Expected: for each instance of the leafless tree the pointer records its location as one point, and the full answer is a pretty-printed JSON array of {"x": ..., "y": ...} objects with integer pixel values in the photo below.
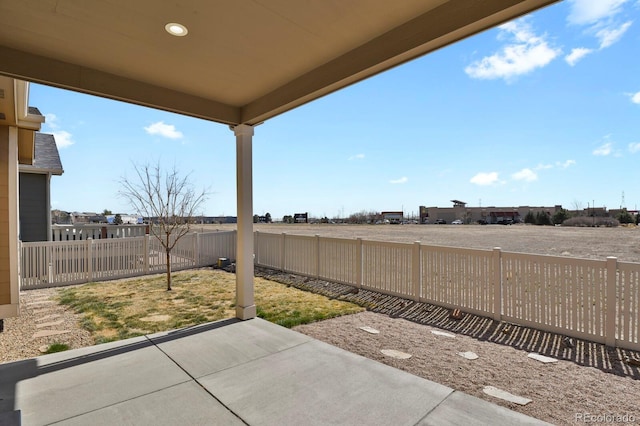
[
  {"x": 577, "y": 206},
  {"x": 168, "y": 200}
]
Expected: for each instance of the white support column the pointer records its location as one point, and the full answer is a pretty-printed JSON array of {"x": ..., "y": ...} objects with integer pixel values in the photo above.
[{"x": 245, "y": 305}]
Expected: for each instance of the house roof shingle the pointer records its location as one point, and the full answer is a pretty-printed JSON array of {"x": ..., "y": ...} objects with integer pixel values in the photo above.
[{"x": 46, "y": 158}]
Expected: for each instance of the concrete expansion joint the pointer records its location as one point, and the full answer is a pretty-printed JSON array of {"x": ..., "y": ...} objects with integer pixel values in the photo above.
[
  {"x": 422, "y": 420},
  {"x": 195, "y": 380}
]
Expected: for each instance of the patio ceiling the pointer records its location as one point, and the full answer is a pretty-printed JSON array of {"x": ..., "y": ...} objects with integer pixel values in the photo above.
[{"x": 242, "y": 61}]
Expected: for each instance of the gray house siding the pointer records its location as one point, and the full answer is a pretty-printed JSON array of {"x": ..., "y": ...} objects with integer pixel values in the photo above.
[{"x": 33, "y": 207}]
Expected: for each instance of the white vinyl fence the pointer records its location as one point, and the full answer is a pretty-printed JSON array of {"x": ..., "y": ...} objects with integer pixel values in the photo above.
[
  {"x": 58, "y": 263},
  {"x": 96, "y": 231},
  {"x": 598, "y": 300}
]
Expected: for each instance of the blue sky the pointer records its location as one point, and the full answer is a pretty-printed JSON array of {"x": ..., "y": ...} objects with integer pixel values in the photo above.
[{"x": 541, "y": 111}]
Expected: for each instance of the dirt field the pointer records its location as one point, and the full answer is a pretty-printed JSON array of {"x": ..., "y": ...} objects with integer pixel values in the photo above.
[{"x": 589, "y": 243}]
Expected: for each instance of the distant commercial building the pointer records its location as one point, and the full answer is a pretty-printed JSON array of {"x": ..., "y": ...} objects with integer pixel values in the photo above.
[
  {"x": 301, "y": 217},
  {"x": 490, "y": 214},
  {"x": 393, "y": 217},
  {"x": 202, "y": 220},
  {"x": 126, "y": 219}
]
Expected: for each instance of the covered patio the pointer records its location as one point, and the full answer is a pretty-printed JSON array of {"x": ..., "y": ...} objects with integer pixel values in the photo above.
[
  {"x": 229, "y": 372},
  {"x": 236, "y": 63}
]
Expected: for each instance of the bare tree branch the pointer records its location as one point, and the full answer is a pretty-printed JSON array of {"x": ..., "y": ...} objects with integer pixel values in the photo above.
[{"x": 167, "y": 199}]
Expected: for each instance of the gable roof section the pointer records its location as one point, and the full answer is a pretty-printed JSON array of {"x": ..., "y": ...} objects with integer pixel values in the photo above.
[
  {"x": 46, "y": 159},
  {"x": 34, "y": 111}
]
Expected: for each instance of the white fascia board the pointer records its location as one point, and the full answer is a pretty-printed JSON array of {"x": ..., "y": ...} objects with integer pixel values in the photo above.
[
  {"x": 26, "y": 168},
  {"x": 23, "y": 118}
]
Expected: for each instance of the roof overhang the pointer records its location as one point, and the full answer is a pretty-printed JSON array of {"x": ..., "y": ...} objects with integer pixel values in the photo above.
[
  {"x": 242, "y": 61},
  {"x": 39, "y": 171},
  {"x": 26, "y": 146},
  {"x": 14, "y": 111}
]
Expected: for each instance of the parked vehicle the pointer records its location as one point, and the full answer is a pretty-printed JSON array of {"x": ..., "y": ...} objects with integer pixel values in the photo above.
[
  {"x": 440, "y": 222},
  {"x": 457, "y": 222}
]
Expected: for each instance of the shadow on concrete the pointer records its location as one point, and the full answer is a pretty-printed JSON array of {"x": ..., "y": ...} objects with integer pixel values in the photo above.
[{"x": 12, "y": 373}]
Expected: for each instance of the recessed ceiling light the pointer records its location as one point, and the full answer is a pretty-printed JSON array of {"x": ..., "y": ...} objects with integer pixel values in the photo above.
[{"x": 176, "y": 29}]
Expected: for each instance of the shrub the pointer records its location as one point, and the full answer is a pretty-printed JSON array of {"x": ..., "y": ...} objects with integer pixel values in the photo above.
[
  {"x": 542, "y": 218},
  {"x": 591, "y": 221},
  {"x": 625, "y": 217},
  {"x": 560, "y": 216},
  {"x": 530, "y": 218}
]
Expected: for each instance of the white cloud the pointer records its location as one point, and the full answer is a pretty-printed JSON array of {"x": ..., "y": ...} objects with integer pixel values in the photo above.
[
  {"x": 165, "y": 130},
  {"x": 51, "y": 120},
  {"x": 603, "y": 150},
  {"x": 526, "y": 175},
  {"x": 566, "y": 164},
  {"x": 63, "y": 138},
  {"x": 485, "y": 179},
  {"x": 634, "y": 147},
  {"x": 544, "y": 166},
  {"x": 635, "y": 97},
  {"x": 577, "y": 54},
  {"x": 403, "y": 179},
  {"x": 587, "y": 12},
  {"x": 599, "y": 16},
  {"x": 356, "y": 157},
  {"x": 526, "y": 52},
  {"x": 558, "y": 164},
  {"x": 610, "y": 35}
]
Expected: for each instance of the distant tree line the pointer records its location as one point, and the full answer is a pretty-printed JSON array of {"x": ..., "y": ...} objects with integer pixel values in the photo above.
[{"x": 565, "y": 218}]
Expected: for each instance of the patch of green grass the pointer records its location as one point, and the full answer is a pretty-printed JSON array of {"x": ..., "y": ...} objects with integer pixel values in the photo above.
[
  {"x": 57, "y": 347},
  {"x": 290, "y": 319},
  {"x": 121, "y": 309}
]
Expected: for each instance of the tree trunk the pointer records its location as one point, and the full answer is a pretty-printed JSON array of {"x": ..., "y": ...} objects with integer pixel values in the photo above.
[{"x": 168, "y": 270}]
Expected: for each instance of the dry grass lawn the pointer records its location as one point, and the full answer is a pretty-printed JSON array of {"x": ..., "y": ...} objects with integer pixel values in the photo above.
[{"x": 132, "y": 307}]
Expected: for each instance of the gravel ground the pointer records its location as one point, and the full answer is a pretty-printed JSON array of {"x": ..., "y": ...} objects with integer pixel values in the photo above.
[
  {"x": 40, "y": 315},
  {"x": 559, "y": 391},
  {"x": 588, "y": 379}
]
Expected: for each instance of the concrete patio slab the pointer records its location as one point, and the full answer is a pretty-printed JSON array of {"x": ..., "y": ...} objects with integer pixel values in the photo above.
[
  {"x": 236, "y": 343},
  {"x": 229, "y": 372},
  {"x": 187, "y": 401},
  {"x": 462, "y": 409},
  {"x": 318, "y": 384},
  {"x": 58, "y": 391}
]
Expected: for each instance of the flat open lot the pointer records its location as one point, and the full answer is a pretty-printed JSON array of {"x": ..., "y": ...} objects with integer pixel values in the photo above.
[{"x": 589, "y": 243}]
